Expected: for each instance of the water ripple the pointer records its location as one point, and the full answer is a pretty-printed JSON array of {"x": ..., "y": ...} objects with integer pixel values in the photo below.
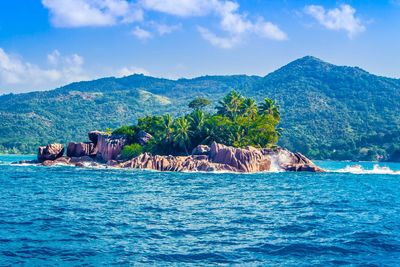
[{"x": 66, "y": 216}]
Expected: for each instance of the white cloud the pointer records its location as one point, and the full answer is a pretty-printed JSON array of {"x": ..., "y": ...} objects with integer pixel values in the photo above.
[
  {"x": 222, "y": 42},
  {"x": 54, "y": 57},
  {"x": 126, "y": 71},
  {"x": 17, "y": 73},
  {"x": 233, "y": 24},
  {"x": 74, "y": 60},
  {"x": 342, "y": 18},
  {"x": 182, "y": 8},
  {"x": 81, "y": 13},
  {"x": 163, "y": 29},
  {"x": 236, "y": 26},
  {"x": 231, "y": 21},
  {"x": 154, "y": 28},
  {"x": 269, "y": 30},
  {"x": 141, "y": 33}
]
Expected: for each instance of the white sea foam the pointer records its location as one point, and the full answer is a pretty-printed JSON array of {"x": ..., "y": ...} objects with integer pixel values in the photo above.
[
  {"x": 17, "y": 164},
  {"x": 353, "y": 169},
  {"x": 358, "y": 169},
  {"x": 20, "y": 164},
  {"x": 275, "y": 166}
]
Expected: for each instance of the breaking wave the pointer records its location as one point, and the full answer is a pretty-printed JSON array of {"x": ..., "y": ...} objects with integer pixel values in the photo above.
[{"x": 358, "y": 169}]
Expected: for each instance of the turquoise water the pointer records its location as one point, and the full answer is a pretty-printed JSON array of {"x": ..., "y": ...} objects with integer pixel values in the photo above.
[{"x": 82, "y": 217}]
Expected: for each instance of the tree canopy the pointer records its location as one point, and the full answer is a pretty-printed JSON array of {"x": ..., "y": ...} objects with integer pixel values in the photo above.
[
  {"x": 199, "y": 103},
  {"x": 238, "y": 122}
]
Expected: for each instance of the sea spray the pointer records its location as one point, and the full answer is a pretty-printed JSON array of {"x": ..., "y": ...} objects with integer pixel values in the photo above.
[{"x": 358, "y": 169}]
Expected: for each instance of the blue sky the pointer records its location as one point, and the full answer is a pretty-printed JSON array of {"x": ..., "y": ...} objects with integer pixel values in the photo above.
[{"x": 48, "y": 43}]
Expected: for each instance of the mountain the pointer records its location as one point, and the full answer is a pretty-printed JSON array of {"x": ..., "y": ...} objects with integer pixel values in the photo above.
[
  {"x": 336, "y": 112},
  {"x": 328, "y": 111}
]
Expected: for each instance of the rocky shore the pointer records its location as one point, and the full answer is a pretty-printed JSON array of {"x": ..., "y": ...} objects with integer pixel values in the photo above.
[{"x": 105, "y": 149}]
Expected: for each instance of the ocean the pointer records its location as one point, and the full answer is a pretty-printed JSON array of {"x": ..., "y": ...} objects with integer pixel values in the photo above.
[{"x": 68, "y": 216}]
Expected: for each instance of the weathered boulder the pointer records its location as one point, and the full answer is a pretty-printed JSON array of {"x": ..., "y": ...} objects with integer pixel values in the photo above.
[
  {"x": 201, "y": 150},
  {"x": 61, "y": 160},
  {"x": 81, "y": 159},
  {"x": 216, "y": 157},
  {"x": 87, "y": 164},
  {"x": 84, "y": 161},
  {"x": 94, "y": 136},
  {"x": 171, "y": 163},
  {"x": 109, "y": 147},
  {"x": 81, "y": 149},
  {"x": 50, "y": 152},
  {"x": 80, "y": 165},
  {"x": 112, "y": 163},
  {"x": 244, "y": 159},
  {"x": 283, "y": 159},
  {"x": 200, "y": 157},
  {"x": 219, "y": 157},
  {"x": 302, "y": 168},
  {"x": 143, "y": 138}
]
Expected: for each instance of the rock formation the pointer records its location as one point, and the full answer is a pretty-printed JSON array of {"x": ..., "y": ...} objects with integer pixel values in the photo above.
[
  {"x": 109, "y": 147},
  {"x": 201, "y": 150},
  {"x": 244, "y": 160},
  {"x": 171, "y": 163},
  {"x": 219, "y": 157},
  {"x": 81, "y": 149},
  {"x": 61, "y": 160},
  {"x": 286, "y": 160},
  {"x": 143, "y": 138},
  {"x": 216, "y": 157},
  {"x": 84, "y": 161},
  {"x": 50, "y": 152},
  {"x": 94, "y": 136}
]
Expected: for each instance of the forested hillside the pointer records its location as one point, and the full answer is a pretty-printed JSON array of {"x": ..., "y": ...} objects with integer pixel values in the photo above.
[{"x": 327, "y": 111}]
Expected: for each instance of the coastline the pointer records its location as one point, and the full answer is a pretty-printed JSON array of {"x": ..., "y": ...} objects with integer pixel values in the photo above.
[
  {"x": 104, "y": 150},
  {"x": 329, "y": 166}
]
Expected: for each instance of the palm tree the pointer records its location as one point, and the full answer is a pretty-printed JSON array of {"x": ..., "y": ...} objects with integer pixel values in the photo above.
[
  {"x": 182, "y": 133},
  {"x": 270, "y": 107},
  {"x": 250, "y": 108},
  {"x": 197, "y": 119},
  {"x": 238, "y": 135},
  {"x": 167, "y": 126},
  {"x": 231, "y": 105},
  {"x": 197, "y": 125}
]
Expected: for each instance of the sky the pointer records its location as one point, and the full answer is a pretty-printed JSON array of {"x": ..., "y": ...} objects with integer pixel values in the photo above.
[{"x": 45, "y": 44}]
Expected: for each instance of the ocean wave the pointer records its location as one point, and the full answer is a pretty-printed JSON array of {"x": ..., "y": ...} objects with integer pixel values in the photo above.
[
  {"x": 358, "y": 169},
  {"x": 353, "y": 169},
  {"x": 18, "y": 164}
]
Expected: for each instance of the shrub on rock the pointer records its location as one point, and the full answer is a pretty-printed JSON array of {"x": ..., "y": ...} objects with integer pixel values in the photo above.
[{"x": 131, "y": 151}]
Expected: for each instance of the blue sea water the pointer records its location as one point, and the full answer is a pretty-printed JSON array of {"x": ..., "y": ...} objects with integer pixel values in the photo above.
[{"x": 68, "y": 216}]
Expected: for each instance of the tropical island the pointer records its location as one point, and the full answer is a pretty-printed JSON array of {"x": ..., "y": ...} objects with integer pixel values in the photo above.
[
  {"x": 240, "y": 136},
  {"x": 328, "y": 111}
]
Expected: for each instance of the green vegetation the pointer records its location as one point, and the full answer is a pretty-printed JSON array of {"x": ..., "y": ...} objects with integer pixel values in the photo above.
[
  {"x": 199, "y": 103},
  {"x": 108, "y": 130},
  {"x": 238, "y": 122},
  {"x": 327, "y": 111},
  {"x": 131, "y": 151}
]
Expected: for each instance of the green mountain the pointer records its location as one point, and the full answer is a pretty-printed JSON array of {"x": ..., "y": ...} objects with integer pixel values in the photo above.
[{"x": 327, "y": 111}]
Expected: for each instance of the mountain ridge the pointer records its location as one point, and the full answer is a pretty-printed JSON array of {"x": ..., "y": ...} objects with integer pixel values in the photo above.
[
  {"x": 328, "y": 111},
  {"x": 302, "y": 60}
]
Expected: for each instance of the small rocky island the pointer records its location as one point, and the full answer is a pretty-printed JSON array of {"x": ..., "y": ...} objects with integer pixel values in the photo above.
[
  {"x": 105, "y": 149},
  {"x": 240, "y": 137}
]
